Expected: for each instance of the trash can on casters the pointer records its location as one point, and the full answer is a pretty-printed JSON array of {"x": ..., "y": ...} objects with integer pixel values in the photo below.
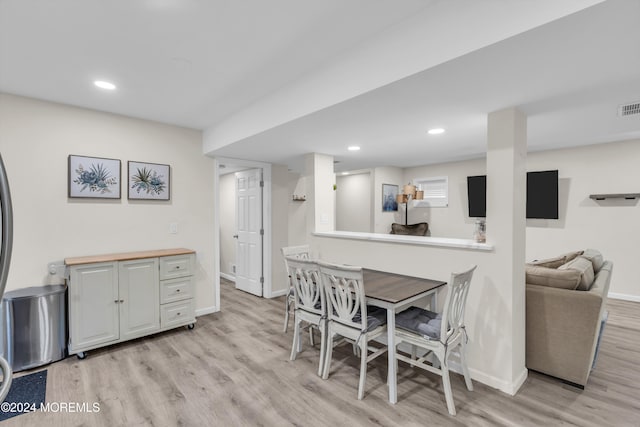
[{"x": 34, "y": 326}]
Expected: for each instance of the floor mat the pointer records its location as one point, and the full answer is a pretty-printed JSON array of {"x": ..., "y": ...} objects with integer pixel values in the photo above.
[{"x": 27, "y": 393}]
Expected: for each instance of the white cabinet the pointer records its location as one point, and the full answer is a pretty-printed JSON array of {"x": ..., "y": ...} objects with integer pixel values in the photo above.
[{"x": 119, "y": 297}]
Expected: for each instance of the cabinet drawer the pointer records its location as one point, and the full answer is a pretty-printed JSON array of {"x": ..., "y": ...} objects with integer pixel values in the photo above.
[
  {"x": 176, "y": 290},
  {"x": 177, "y": 313},
  {"x": 172, "y": 267}
]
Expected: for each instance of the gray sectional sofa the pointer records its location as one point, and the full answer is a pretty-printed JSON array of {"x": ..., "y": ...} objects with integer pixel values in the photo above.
[{"x": 565, "y": 304}]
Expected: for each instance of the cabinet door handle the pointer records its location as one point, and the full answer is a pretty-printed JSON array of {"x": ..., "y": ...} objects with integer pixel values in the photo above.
[
  {"x": 177, "y": 290},
  {"x": 121, "y": 301},
  {"x": 178, "y": 314},
  {"x": 116, "y": 301}
]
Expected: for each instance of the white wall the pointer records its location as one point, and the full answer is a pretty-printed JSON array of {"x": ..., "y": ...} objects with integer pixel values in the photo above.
[
  {"x": 227, "y": 223},
  {"x": 610, "y": 226},
  {"x": 353, "y": 202},
  {"x": 36, "y": 138},
  {"x": 451, "y": 221},
  {"x": 297, "y": 224},
  {"x": 382, "y": 220}
]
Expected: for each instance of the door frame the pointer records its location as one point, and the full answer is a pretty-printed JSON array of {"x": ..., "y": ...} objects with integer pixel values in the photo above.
[{"x": 266, "y": 221}]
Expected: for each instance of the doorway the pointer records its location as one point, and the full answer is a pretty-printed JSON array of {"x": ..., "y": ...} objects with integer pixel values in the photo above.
[{"x": 225, "y": 226}]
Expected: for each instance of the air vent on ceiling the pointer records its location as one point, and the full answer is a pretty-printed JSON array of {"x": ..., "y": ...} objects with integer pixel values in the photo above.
[{"x": 629, "y": 109}]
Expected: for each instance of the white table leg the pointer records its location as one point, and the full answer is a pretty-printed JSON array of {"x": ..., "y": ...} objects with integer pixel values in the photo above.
[{"x": 392, "y": 362}]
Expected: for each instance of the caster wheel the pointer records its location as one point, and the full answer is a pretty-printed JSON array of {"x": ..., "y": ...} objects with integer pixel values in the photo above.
[
  {"x": 82, "y": 355},
  {"x": 191, "y": 326}
]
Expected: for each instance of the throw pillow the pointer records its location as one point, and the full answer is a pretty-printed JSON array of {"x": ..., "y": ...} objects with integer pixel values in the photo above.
[
  {"x": 584, "y": 266},
  {"x": 556, "y": 262},
  {"x": 551, "y": 277},
  {"x": 549, "y": 262},
  {"x": 596, "y": 259},
  {"x": 570, "y": 256}
]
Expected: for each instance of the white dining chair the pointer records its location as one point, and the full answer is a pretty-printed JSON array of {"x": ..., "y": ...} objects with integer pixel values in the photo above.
[
  {"x": 349, "y": 316},
  {"x": 301, "y": 252},
  {"x": 439, "y": 334},
  {"x": 309, "y": 304}
]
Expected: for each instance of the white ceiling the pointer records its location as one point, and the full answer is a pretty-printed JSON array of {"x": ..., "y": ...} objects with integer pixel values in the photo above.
[
  {"x": 183, "y": 62},
  {"x": 196, "y": 63}
]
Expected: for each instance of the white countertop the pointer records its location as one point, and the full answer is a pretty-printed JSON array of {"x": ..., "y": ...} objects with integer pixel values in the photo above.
[{"x": 408, "y": 240}]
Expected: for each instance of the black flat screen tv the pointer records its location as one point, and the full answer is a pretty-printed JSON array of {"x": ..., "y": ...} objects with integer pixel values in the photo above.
[
  {"x": 542, "y": 195},
  {"x": 477, "y": 193}
]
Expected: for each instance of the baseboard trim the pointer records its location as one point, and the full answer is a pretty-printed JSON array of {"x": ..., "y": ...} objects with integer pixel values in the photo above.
[
  {"x": 275, "y": 294},
  {"x": 207, "y": 310},
  {"x": 510, "y": 388},
  {"x": 229, "y": 277},
  {"x": 624, "y": 297},
  {"x": 519, "y": 381}
]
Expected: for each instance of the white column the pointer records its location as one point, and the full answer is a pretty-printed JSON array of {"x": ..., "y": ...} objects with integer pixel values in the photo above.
[
  {"x": 506, "y": 226},
  {"x": 320, "y": 180}
]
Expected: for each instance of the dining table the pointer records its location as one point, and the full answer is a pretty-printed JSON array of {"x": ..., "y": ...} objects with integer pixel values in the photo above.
[{"x": 395, "y": 292}]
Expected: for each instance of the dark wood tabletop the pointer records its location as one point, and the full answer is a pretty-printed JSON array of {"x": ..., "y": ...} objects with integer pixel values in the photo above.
[{"x": 395, "y": 288}]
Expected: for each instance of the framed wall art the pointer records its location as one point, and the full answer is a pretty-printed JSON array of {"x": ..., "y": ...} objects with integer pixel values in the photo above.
[
  {"x": 93, "y": 177},
  {"x": 148, "y": 181},
  {"x": 389, "y": 201}
]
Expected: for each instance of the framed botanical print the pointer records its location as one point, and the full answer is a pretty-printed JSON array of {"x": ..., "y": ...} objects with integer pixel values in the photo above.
[
  {"x": 93, "y": 177},
  {"x": 148, "y": 181}
]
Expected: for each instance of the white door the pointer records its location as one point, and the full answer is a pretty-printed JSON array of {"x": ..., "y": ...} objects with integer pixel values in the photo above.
[{"x": 249, "y": 231}]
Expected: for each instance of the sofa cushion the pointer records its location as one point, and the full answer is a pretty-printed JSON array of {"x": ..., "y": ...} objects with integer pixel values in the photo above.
[
  {"x": 584, "y": 266},
  {"x": 554, "y": 278},
  {"x": 596, "y": 259}
]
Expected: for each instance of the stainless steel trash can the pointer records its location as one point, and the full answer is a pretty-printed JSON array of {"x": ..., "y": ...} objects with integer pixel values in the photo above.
[{"x": 34, "y": 326}]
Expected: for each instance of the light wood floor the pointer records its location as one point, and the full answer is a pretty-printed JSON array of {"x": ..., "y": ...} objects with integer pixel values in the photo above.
[{"x": 233, "y": 369}]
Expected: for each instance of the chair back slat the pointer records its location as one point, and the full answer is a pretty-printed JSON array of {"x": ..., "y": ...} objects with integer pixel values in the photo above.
[
  {"x": 344, "y": 291},
  {"x": 454, "y": 304},
  {"x": 297, "y": 252},
  {"x": 305, "y": 281},
  {"x": 300, "y": 252}
]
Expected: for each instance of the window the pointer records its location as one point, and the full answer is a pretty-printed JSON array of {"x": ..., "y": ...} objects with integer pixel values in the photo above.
[{"x": 436, "y": 192}]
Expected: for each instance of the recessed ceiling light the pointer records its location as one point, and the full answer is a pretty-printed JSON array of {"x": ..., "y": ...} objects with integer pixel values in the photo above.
[
  {"x": 104, "y": 85},
  {"x": 345, "y": 173},
  {"x": 353, "y": 148},
  {"x": 435, "y": 131}
]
